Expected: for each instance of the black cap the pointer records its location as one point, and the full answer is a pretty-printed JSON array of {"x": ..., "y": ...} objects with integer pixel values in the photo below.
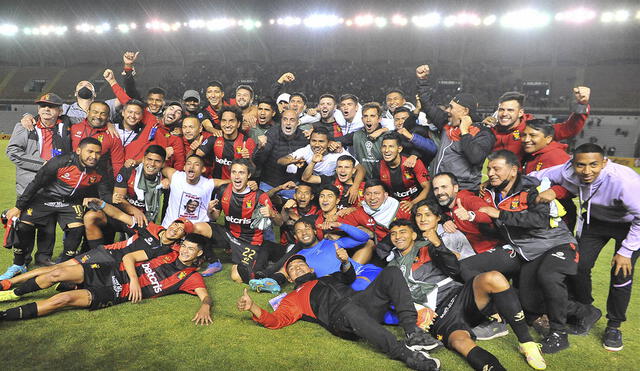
[
  {"x": 50, "y": 98},
  {"x": 292, "y": 258},
  {"x": 467, "y": 100}
]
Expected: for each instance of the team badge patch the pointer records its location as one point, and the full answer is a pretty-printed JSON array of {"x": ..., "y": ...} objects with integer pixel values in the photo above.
[
  {"x": 516, "y": 135},
  {"x": 84, "y": 259},
  {"x": 515, "y": 204},
  {"x": 100, "y": 138},
  {"x": 181, "y": 275},
  {"x": 249, "y": 204},
  {"x": 408, "y": 175},
  {"x": 539, "y": 166},
  {"x": 30, "y": 212},
  {"x": 95, "y": 266}
]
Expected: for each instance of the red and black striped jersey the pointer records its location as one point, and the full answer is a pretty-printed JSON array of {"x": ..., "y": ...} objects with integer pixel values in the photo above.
[
  {"x": 343, "y": 188},
  {"x": 223, "y": 151},
  {"x": 127, "y": 179},
  {"x": 238, "y": 210},
  {"x": 403, "y": 182},
  {"x": 147, "y": 239},
  {"x": 286, "y": 229}
]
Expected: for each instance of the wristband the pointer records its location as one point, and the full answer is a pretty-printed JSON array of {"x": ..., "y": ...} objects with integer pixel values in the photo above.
[
  {"x": 104, "y": 203},
  {"x": 472, "y": 216}
]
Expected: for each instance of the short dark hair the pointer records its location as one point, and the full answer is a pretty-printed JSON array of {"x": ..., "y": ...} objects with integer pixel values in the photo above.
[
  {"x": 393, "y": 135},
  {"x": 508, "y": 156},
  {"x": 373, "y": 105},
  {"x": 215, "y": 83},
  {"x": 353, "y": 97},
  {"x": 157, "y": 90},
  {"x": 402, "y": 109},
  {"x": 542, "y": 125},
  {"x": 430, "y": 203},
  {"x": 452, "y": 177},
  {"x": 136, "y": 102},
  {"x": 270, "y": 102},
  {"x": 347, "y": 158},
  {"x": 374, "y": 183},
  {"x": 198, "y": 239},
  {"x": 396, "y": 90},
  {"x": 588, "y": 148},
  {"x": 196, "y": 156},
  {"x": 156, "y": 149},
  {"x": 321, "y": 130},
  {"x": 512, "y": 95},
  {"x": 234, "y": 109},
  {"x": 299, "y": 94},
  {"x": 251, "y": 168},
  {"x": 308, "y": 220},
  {"x": 101, "y": 102},
  {"x": 332, "y": 188},
  {"x": 403, "y": 223},
  {"x": 327, "y": 95},
  {"x": 245, "y": 87},
  {"x": 89, "y": 140}
]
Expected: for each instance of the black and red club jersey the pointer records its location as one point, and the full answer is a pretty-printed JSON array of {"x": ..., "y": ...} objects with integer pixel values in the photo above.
[
  {"x": 403, "y": 182},
  {"x": 223, "y": 151},
  {"x": 238, "y": 209}
]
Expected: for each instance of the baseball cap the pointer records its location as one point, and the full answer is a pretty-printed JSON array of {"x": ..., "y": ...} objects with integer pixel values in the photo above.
[
  {"x": 50, "y": 98},
  {"x": 292, "y": 258},
  {"x": 191, "y": 94},
  {"x": 284, "y": 97}
]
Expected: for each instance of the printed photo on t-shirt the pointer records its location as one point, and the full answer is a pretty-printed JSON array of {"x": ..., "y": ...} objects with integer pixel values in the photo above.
[{"x": 189, "y": 206}]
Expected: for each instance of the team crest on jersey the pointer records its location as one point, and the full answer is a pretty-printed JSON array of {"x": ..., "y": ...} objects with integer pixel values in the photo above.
[
  {"x": 167, "y": 135},
  {"x": 539, "y": 166},
  {"x": 66, "y": 176},
  {"x": 516, "y": 135},
  {"x": 200, "y": 115},
  {"x": 249, "y": 204},
  {"x": 29, "y": 212},
  {"x": 93, "y": 179},
  {"x": 95, "y": 266},
  {"x": 515, "y": 204},
  {"x": 78, "y": 134},
  {"x": 181, "y": 275},
  {"x": 100, "y": 138},
  {"x": 84, "y": 259},
  {"x": 408, "y": 175},
  {"x": 167, "y": 259},
  {"x": 238, "y": 149},
  {"x": 119, "y": 178}
]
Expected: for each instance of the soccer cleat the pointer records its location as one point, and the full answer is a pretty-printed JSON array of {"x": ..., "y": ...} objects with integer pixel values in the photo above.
[
  {"x": 8, "y": 295},
  {"x": 531, "y": 352},
  {"x": 13, "y": 271},
  {"x": 419, "y": 339},
  {"x": 212, "y": 269},
  {"x": 585, "y": 323},
  {"x": 612, "y": 339},
  {"x": 555, "y": 342},
  {"x": 265, "y": 285},
  {"x": 5, "y": 285},
  {"x": 490, "y": 330},
  {"x": 419, "y": 360}
]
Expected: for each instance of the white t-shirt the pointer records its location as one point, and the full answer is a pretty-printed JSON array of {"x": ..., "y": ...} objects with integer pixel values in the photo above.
[
  {"x": 188, "y": 201},
  {"x": 325, "y": 167}
]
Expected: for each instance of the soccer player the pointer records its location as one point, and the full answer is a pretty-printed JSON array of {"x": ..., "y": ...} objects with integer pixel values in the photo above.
[
  {"x": 458, "y": 307},
  {"x": 332, "y": 303},
  {"x": 245, "y": 215},
  {"x": 191, "y": 103},
  {"x": 609, "y": 209},
  {"x": 407, "y": 184},
  {"x": 302, "y": 204},
  {"x": 327, "y": 108},
  {"x": 106, "y": 282},
  {"x": 231, "y": 145},
  {"x": 209, "y": 115},
  {"x": 351, "y": 192},
  {"x": 57, "y": 191}
]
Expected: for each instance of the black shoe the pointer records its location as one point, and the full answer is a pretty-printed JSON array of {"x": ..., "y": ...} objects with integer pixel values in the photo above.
[
  {"x": 612, "y": 339},
  {"x": 585, "y": 323},
  {"x": 555, "y": 342},
  {"x": 422, "y": 361},
  {"x": 421, "y": 340},
  {"x": 44, "y": 262}
]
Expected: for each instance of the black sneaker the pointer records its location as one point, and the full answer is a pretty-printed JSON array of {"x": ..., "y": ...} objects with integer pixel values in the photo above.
[
  {"x": 612, "y": 339},
  {"x": 421, "y": 340},
  {"x": 555, "y": 342},
  {"x": 422, "y": 361},
  {"x": 585, "y": 323},
  {"x": 490, "y": 330}
]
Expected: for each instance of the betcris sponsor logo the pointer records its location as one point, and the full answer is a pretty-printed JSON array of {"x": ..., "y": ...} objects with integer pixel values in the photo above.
[
  {"x": 235, "y": 220},
  {"x": 157, "y": 287}
]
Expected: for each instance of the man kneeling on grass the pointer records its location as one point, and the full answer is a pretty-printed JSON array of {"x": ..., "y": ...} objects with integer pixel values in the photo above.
[
  {"x": 459, "y": 308},
  {"x": 330, "y": 302},
  {"x": 106, "y": 282}
]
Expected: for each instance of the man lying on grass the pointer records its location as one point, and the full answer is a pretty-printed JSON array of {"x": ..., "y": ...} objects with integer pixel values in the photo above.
[
  {"x": 105, "y": 282},
  {"x": 332, "y": 303}
]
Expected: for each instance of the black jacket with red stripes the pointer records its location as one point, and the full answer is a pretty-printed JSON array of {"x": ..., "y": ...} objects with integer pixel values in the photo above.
[{"x": 64, "y": 179}]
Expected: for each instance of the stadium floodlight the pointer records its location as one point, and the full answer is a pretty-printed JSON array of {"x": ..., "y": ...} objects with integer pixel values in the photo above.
[
  {"x": 289, "y": 21},
  {"x": 380, "y": 21},
  {"x": 489, "y": 20},
  {"x": 399, "y": 20},
  {"x": 7, "y": 29},
  {"x": 249, "y": 24},
  {"x": 123, "y": 27},
  {"x": 577, "y": 15},
  {"x": 426, "y": 20},
  {"x": 102, "y": 28},
  {"x": 619, "y": 16},
  {"x": 525, "y": 19},
  {"x": 363, "y": 20},
  {"x": 348, "y": 22},
  {"x": 449, "y": 21},
  {"x": 218, "y": 24},
  {"x": 321, "y": 20},
  {"x": 272, "y": 21}
]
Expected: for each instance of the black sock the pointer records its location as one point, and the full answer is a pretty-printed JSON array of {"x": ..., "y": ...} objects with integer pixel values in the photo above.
[
  {"x": 280, "y": 278},
  {"x": 28, "y": 286},
  {"x": 26, "y": 234},
  {"x": 22, "y": 312},
  {"x": 510, "y": 310},
  {"x": 95, "y": 243},
  {"x": 480, "y": 360}
]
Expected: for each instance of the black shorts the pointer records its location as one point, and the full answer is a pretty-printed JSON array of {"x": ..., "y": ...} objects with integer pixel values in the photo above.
[
  {"x": 459, "y": 312},
  {"x": 118, "y": 226},
  {"x": 101, "y": 279},
  {"x": 40, "y": 213}
]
